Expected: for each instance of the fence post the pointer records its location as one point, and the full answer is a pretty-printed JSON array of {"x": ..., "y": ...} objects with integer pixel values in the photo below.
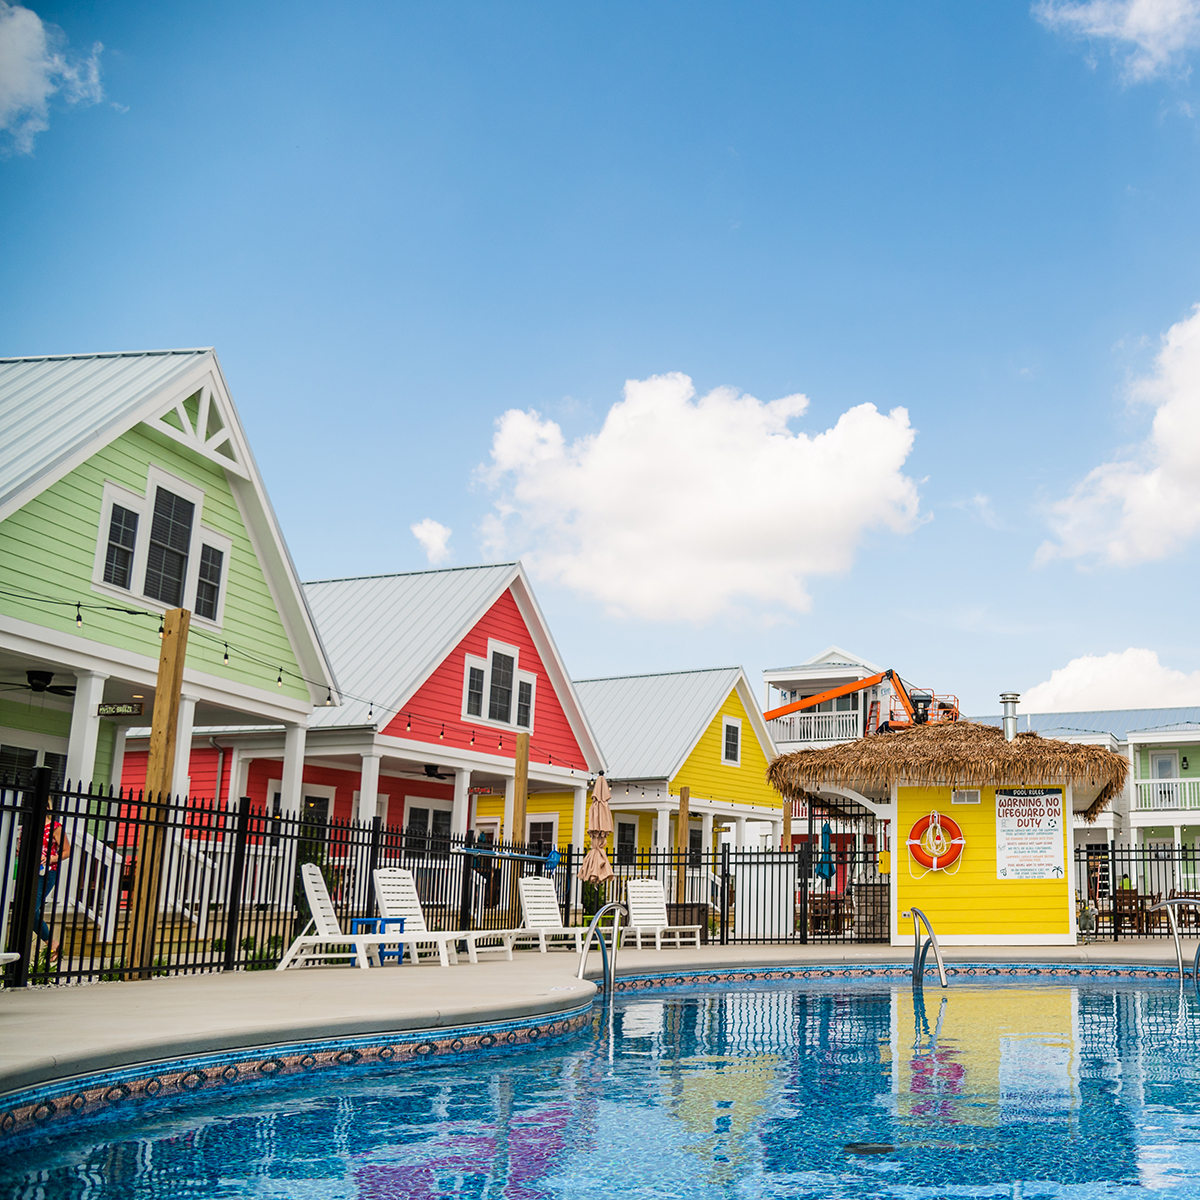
[
  {"x": 233, "y": 915},
  {"x": 725, "y": 894},
  {"x": 28, "y": 869},
  {"x": 373, "y": 860},
  {"x": 468, "y": 870},
  {"x": 804, "y": 862},
  {"x": 566, "y": 895},
  {"x": 1112, "y": 891}
]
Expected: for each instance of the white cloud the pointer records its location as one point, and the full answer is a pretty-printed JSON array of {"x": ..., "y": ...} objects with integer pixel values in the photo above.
[
  {"x": 680, "y": 506},
  {"x": 1153, "y": 35},
  {"x": 33, "y": 68},
  {"x": 1132, "y": 679},
  {"x": 1146, "y": 505},
  {"x": 433, "y": 537}
]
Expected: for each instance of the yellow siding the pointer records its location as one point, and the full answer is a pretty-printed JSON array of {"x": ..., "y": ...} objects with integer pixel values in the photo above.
[
  {"x": 711, "y": 779},
  {"x": 973, "y": 901},
  {"x": 491, "y": 808}
]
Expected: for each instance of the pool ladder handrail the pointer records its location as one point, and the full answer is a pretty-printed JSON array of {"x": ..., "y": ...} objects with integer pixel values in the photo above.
[
  {"x": 610, "y": 963},
  {"x": 1169, "y": 905},
  {"x": 919, "y": 954}
]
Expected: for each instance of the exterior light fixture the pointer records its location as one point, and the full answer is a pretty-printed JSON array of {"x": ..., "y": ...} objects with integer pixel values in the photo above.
[
  {"x": 227, "y": 654},
  {"x": 78, "y": 615},
  {"x": 328, "y": 697},
  {"x": 279, "y": 681}
]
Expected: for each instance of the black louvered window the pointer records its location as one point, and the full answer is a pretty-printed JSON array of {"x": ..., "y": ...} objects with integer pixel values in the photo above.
[
  {"x": 500, "y": 702},
  {"x": 208, "y": 586},
  {"x": 122, "y": 536},
  {"x": 170, "y": 540}
]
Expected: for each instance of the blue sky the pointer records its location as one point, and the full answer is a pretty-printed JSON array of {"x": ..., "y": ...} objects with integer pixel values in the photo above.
[{"x": 399, "y": 222}]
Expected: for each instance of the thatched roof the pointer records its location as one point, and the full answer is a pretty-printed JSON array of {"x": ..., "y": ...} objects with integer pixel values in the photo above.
[{"x": 957, "y": 753}]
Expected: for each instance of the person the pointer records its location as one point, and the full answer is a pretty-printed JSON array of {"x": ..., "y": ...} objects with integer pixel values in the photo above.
[
  {"x": 1125, "y": 884},
  {"x": 55, "y": 847}
]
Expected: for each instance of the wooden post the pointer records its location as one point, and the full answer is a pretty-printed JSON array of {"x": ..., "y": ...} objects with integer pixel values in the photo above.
[
  {"x": 682, "y": 847},
  {"x": 520, "y": 787},
  {"x": 143, "y": 917},
  {"x": 787, "y": 826}
]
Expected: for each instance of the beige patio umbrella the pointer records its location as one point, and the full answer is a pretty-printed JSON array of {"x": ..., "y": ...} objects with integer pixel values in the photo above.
[{"x": 596, "y": 868}]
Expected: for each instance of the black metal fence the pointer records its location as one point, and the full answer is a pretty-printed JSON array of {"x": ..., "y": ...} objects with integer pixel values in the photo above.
[
  {"x": 120, "y": 886},
  {"x": 1117, "y": 887}
]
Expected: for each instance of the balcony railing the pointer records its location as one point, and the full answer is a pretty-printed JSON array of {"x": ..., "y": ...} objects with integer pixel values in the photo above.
[
  {"x": 815, "y": 727},
  {"x": 1155, "y": 794}
]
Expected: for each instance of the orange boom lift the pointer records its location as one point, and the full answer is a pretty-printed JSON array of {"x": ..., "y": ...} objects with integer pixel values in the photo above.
[{"x": 910, "y": 706}]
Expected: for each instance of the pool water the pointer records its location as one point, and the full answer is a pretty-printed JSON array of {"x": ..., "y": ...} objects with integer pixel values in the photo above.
[{"x": 856, "y": 1090}]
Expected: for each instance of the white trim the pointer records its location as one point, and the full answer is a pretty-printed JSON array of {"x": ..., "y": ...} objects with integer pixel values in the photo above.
[
  {"x": 114, "y": 493},
  {"x": 381, "y": 806},
  {"x": 218, "y": 541},
  {"x": 23, "y": 739},
  {"x": 322, "y": 791},
  {"x": 1152, "y": 754},
  {"x": 494, "y": 646},
  {"x": 736, "y": 723},
  {"x": 992, "y": 939},
  {"x": 541, "y": 818}
]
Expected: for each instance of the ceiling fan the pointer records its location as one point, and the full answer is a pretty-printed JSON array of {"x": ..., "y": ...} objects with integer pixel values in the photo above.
[{"x": 40, "y": 681}]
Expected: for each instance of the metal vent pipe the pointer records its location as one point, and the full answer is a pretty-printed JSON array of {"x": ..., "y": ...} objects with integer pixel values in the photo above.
[{"x": 1008, "y": 702}]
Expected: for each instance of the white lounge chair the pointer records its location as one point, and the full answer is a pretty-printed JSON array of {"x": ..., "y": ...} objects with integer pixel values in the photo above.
[
  {"x": 396, "y": 895},
  {"x": 541, "y": 914},
  {"x": 329, "y": 941},
  {"x": 648, "y": 915}
]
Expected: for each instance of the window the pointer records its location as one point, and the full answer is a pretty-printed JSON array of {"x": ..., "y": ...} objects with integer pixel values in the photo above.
[
  {"x": 541, "y": 835},
  {"x": 965, "y": 796},
  {"x": 475, "y": 692},
  {"x": 626, "y": 843},
  {"x": 500, "y": 702},
  {"x": 170, "y": 540},
  {"x": 695, "y": 847},
  {"x": 731, "y": 742},
  {"x": 511, "y": 693},
  {"x": 208, "y": 585},
  {"x": 122, "y": 538}
]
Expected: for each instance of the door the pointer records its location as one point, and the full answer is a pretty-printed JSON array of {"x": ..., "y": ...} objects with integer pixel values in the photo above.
[{"x": 1162, "y": 766}]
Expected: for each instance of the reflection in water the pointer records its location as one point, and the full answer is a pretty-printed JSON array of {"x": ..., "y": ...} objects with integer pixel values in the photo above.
[{"x": 775, "y": 1092}]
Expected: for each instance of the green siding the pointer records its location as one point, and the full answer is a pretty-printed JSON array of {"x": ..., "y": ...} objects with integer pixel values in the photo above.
[
  {"x": 105, "y": 739},
  {"x": 17, "y": 714},
  {"x": 48, "y": 548},
  {"x": 1190, "y": 752}
]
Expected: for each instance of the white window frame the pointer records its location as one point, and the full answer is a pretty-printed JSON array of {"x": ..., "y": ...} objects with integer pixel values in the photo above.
[
  {"x": 736, "y": 722},
  {"x": 541, "y": 819},
  {"x": 382, "y": 800},
  {"x": 143, "y": 505},
  {"x": 519, "y": 677},
  {"x": 965, "y": 796},
  {"x": 1173, "y": 755}
]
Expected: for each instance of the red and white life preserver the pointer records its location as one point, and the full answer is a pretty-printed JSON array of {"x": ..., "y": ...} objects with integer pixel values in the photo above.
[{"x": 936, "y": 842}]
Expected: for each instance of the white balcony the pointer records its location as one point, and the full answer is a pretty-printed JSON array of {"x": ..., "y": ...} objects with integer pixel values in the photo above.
[
  {"x": 1159, "y": 795},
  {"x": 819, "y": 728}
]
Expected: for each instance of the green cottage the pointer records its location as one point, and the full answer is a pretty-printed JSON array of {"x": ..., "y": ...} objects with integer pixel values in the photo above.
[{"x": 127, "y": 487}]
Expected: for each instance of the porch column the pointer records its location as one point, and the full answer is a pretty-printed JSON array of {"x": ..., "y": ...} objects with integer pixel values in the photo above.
[
  {"x": 740, "y": 835},
  {"x": 777, "y": 834},
  {"x": 662, "y": 834},
  {"x": 292, "y": 784},
  {"x": 182, "y": 769},
  {"x": 1178, "y": 840},
  {"x": 368, "y": 786},
  {"x": 706, "y": 825},
  {"x": 239, "y": 775},
  {"x": 85, "y": 727},
  {"x": 461, "y": 811},
  {"x": 579, "y": 818},
  {"x": 118, "y": 756},
  {"x": 510, "y": 796}
]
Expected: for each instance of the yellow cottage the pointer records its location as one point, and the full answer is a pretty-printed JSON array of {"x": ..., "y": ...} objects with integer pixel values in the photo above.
[
  {"x": 979, "y": 823},
  {"x": 696, "y": 729}
]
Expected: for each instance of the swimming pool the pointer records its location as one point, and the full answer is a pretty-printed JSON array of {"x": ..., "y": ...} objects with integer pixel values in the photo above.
[{"x": 821, "y": 1090}]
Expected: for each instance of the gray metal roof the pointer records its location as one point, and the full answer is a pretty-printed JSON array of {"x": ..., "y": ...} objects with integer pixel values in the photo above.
[
  {"x": 384, "y": 633},
  {"x": 646, "y": 724},
  {"x": 51, "y": 406},
  {"x": 1119, "y": 722}
]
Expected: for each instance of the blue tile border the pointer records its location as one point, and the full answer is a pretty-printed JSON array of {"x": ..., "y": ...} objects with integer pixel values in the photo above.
[{"x": 23, "y": 1114}]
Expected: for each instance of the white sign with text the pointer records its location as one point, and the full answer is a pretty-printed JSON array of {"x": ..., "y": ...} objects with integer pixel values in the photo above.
[{"x": 1029, "y": 833}]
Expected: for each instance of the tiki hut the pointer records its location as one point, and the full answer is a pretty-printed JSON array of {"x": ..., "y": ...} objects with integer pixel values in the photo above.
[{"x": 954, "y": 753}]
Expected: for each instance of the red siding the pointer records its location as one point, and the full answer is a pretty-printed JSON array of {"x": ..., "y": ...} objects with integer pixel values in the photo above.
[
  {"x": 202, "y": 768},
  {"x": 439, "y": 700}
]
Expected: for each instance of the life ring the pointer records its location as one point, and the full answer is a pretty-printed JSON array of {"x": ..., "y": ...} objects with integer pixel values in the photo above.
[{"x": 936, "y": 842}]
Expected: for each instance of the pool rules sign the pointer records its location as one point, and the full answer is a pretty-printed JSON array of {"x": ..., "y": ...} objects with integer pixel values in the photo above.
[{"x": 1029, "y": 833}]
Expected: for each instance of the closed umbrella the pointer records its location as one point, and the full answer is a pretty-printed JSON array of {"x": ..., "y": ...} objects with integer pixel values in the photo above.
[
  {"x": 825, "y": 867},
  {"x": 596, "y": 867}
]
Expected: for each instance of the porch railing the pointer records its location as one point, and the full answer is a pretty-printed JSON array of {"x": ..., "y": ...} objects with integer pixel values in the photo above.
[
  {"x": 1161, "y": 794},
  {"x": 815, "y": 727}
]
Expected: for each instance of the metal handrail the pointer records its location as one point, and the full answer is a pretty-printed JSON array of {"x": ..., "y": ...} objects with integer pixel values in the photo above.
[
  {"x": 1169, "y": 905},
  {"x": 610, "y": 964},
  {"x": 919, "y": 953}
]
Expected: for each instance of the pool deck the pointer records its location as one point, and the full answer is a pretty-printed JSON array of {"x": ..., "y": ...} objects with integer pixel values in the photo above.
[{"x": 50, "y": 1034}]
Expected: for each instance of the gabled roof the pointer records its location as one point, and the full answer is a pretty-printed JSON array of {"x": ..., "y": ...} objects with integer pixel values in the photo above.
[
  {"x": 56, "y": 411},
  {"x": 1120, "y": 722},
  {"x": 649, "y": 724},
  {"x": 387, "y": 634},
  {"x": 831, "y": 656}
]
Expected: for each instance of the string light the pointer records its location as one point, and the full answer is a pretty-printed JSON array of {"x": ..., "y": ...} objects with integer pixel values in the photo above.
[
  {"x": 227, "y": 654},
  {"x": 160, "y": 627},
  {"x": 78, "y": 616},
  {"x": 409, "y": 725},
  {"x": 328, "y": 697},
  {"x": 279, "y": 681},
  {"x": 472, "y": 737},
  {"x": 442, "y": 735},
  {"x": 371, "y": 712}
]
